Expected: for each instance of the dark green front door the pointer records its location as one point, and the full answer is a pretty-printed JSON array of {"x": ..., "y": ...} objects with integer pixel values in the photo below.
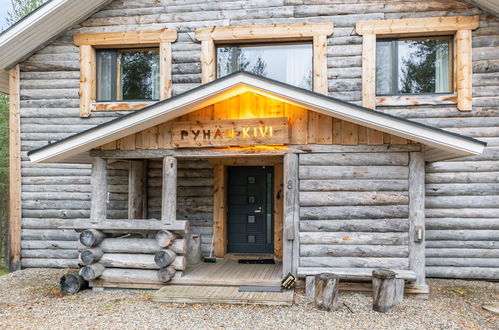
[{"x": 250, "y": 225}]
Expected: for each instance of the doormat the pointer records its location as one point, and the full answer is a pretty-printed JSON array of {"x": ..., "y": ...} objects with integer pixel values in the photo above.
[
  {"x": 257, "y": 261},
  {"x": 254, "y": 288}
]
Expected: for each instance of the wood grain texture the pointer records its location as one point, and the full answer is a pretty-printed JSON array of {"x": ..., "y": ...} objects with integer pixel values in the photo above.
[
  {"x": 219, "y": 211},
  {"x": 98, "y": 198},
  {"x": 125, "y": 38}
]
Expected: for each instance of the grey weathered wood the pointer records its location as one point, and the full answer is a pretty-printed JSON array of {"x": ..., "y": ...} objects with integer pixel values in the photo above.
[
  {"x": 326, "y": 292},
  {"x": 354, "y": 212},
  {"x": 353, "y": 172},
  {"x": 164, "y": 258},
  {"x": 98, "y": 209},
  {"x": 129, "y": 245},
  {"x": 180, "y": 263},
  {"x": 354, "y": 185},
  {"x": 180, "y": 246},
  {"x": 169, "y": 204},
  {"x": 383, "y": 290},
  {"x": 72, "y": 283},
  {"x": 91, "y": 237},
  {"x": 166, "y": 274},
  {"x": 353, "y": 238},
  {"x": 357, "y": 274},
  {"x": 132, "y": 260},
  {"x": 399, "y": 290},
  {"x": 345, "y": 198},
  {"x": 193, "y": 255},
  {"x": 310, "y": 287},
  {"x": 291, "y": 214},
  {"x": 91, "y": 272},
  {"x": 417, "y": 215},
  {"x": 137, "y": 190},
  {"x": 328, "y": 250},
  {"x": 487, "y": 273},
  {"x": 355, "y": 159},
  {"x": 164, "y": 238},
  {"x": 90, "y": 256},
  {"x": 122, "y": 275},
  {"x": 130, "y": 225},
  {"x": 362, "y": 225},
  {"x": 353, "y": 262}
]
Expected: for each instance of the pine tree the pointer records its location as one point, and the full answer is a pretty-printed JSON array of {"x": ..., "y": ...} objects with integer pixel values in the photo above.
[{"x": 21, "y": 8}]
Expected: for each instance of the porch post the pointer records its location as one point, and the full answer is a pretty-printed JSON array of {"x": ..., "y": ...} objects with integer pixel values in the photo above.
[
  {"x": 169, "y": 199},
  {"x": 98, "y": 180},
  {"x": 417, "y": 216},
  {"x": 290, "y": 255},
  {"x": 137, "y": 191}
]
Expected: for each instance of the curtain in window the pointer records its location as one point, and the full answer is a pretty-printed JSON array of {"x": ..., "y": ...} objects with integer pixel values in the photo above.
[
  {"x": 442, "y": 68},
  {"x": 155, "y": 80},
  {"x": 384, "y": 64},
  {"x": 105, "y": 64}
]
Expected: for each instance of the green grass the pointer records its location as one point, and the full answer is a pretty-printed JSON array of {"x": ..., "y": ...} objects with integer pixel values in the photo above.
[{"x": 3, "y": 270}]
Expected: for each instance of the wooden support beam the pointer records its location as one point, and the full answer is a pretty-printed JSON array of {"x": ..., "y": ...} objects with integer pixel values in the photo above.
[
  {"x": 137, "y": 190},
  {"x": 417, "y": 216},
  {"x": 369, "y": 71},
  {"x": 208, "y": 61},
  {"x": 126, "y": 38},
  {"x": 88, "y": 74},
  {"x": 278, "y": 209},
  {"x": 220, "y": 210},
  {"x": 169, "y": 198},
  {"x": 98, "y": 180},
  {"x": 14, "y": 170},
  {"x": 464, "y": 68},
  {"x": 165, "y": 72},
  {"x": 291, "y": 215}
]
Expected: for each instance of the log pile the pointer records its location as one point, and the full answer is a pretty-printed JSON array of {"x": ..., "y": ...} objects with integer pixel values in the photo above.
[{"x": 132, "y": 260}]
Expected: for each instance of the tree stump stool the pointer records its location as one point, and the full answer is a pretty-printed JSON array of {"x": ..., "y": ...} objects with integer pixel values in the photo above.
[
  {"x": 326, "y": 292},
  {"x": 383, "y": 290}
]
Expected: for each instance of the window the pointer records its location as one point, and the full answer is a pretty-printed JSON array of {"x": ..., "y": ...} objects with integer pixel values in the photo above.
[
  {"x": 128, "y": 74},
  {"x": 414, "y": 66},
  {"x": 289, "y": 63}
]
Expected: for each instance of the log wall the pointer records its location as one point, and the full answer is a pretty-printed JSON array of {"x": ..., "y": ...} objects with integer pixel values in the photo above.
[
  {"x": 462, "y": 195},
  {"x": 354, "y": 210}
]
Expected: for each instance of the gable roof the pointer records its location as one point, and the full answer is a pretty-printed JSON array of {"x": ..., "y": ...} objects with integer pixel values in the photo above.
[
  {"x": 441, "y": 144},
  {"x": 34, "y": 31}
]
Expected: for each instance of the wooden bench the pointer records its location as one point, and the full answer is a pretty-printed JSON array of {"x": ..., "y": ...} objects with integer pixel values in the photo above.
[{"x": 355, "y": 274}]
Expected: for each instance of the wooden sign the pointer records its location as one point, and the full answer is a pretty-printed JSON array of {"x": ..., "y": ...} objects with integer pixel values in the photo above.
[{"x": 212, "y": 133}]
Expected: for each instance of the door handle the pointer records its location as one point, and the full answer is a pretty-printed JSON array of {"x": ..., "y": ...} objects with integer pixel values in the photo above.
[{"x": 259, "y": 210}]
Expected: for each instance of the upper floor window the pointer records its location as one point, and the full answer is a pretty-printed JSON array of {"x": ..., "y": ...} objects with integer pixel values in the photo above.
[
  {"x": 288, "y": 62},
  {"x": 128, "y": 74},
  {"x": 414, "y": 66}
]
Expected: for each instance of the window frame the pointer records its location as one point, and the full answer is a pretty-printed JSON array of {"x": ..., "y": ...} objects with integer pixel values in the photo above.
[
  {"x": 458, "y": 26},
  {"x": 90, "y": 42},
  {"x": 262, "y": 44},
  {"x": 395, "y": 67}
]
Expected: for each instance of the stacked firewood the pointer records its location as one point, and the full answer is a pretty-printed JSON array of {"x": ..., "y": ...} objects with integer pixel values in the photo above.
[{"x": 132, "y": 260}]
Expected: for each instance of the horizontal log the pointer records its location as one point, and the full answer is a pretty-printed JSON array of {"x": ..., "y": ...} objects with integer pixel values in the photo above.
[
  {"x": 90, "y": 256},
  {"x": 91, "y": 272},
  {"x": 321, "y": 250},
  {"x": 139, "y": 225},
  {"x": 49, "y": 253},
  {"x": 354, "y": 185},
  {"x": 345, "y": 198},
  {"x": 48, "y": 263},
  {"x": 49, "y": 234},
  {"x": 352, "y": 238},
  {"x": 179, "y": 246},
  {"x": 469, "y": 189},
  {"x": 461, "y": 253},
  {"x": 463, "y": 262},
  {"x": 129, "y": 245},
  {"x": 353, "y": 172},
  {"x": 459, "y": 201},
  {"x": 354, "y": 212},
  {"x": 91, "y": 237},
  {"x": 369, "y": 225},
  {"x": 355, "y": 159},
  {"x": 121, "y": 260},
  {"x": 461, "y": 244},
  {"x": 463, "y": 212},
  {"x": 461, "y": 223},
  {"x": 472, "y": 235},
  {"x": 486, "y": 273},
  {"x": 166, "y": 274},
  {"x": 117, "y": 275},
  {"x": 49, "y": 244},
  {"x": 353, "y": 262},
  {"x": 180, "y": 263}
]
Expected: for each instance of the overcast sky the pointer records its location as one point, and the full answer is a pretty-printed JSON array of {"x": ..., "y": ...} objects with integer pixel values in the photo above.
[{"x": 4, "y": 7}]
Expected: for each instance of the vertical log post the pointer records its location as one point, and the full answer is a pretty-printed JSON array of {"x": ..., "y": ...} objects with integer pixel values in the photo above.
[
  {"x": 383, "y": 290},
  {"x": 291, "y": 215},
  {"x": 417, "y": 216},
  {"x": 98, "y": 180},
  {"x": 169, "y": 199},
  {"x": 326, "y": 292},
  {"x": 137, "y": 190}
]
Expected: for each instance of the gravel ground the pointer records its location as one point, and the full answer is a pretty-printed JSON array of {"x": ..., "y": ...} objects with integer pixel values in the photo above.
[{"x": 31, "y": 299}]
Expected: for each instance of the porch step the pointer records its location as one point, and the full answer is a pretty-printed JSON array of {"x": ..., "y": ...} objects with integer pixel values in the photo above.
[{"x": 198, "y": 294}]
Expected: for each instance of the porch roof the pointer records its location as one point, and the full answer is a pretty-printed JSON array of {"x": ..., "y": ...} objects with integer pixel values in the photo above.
[{"x": 439, "y": 143}]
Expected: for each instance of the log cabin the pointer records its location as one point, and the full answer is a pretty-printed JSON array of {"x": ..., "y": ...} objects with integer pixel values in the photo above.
[{"x": 333, "y": 136}]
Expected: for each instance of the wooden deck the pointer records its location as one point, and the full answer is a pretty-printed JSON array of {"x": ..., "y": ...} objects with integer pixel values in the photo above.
[
  {"x": 230, "y": 273},
  {"x": 219, "y": 283}
]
